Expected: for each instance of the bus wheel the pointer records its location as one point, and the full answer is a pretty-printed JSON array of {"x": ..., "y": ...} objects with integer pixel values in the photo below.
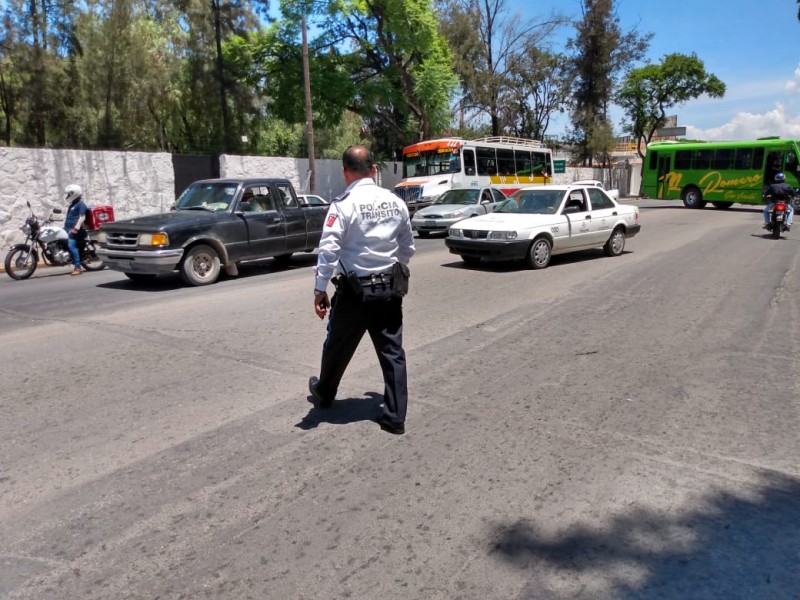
[
  {"x": 692, "y": 198},
  {"x": 722, "y": 205}
]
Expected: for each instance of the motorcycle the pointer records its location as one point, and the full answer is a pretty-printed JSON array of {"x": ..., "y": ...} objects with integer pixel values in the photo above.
[
  {"x": 50, "y": 243},
  {"x": 777, "y": 218}
]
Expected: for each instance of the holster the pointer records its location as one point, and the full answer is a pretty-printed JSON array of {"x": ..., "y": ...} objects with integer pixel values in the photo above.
[{"x": 400, "y": 277}]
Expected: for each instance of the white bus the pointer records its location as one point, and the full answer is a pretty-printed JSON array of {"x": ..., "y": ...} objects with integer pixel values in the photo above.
[{"x": 432, "y": 167}]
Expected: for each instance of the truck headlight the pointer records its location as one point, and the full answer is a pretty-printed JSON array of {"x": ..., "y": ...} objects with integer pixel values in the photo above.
[
  {"x": 101, "y": 237},
  {"x": 154, "y": 239},
  {"x": 502, "y": 235},
  {"x": 456, "y": 233}
]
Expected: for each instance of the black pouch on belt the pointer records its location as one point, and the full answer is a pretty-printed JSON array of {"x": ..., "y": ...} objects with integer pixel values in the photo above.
[
  {"x": 400, "y": 277},
  {"x": 353, "y": 284}
]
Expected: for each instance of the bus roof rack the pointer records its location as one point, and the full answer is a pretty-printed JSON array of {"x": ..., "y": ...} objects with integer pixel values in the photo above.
[{"x": 502, "y": 139}]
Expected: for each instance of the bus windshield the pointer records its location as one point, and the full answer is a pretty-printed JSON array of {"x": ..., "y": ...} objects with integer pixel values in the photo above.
[{"x": 431, "y": 162}]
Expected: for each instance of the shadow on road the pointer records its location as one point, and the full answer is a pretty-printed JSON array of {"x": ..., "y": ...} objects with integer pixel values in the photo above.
[
  {"x": 348, "y": 410},
  {"x": 505, "y": 266},
  {"x": 731, "y": 545},
  {"x": 173, "y": 281}
]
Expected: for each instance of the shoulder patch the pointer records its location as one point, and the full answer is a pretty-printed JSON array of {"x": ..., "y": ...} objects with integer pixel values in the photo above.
[{"x": 331, "y": 220}]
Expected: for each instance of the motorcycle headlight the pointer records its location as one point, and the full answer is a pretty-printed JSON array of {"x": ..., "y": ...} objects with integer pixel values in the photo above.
[
  {"x": 502, "y": 235},
  {"x": 26, "y": 229},
  {"x": 101, "y": 237},
  {"x": 154, "y": 239}
]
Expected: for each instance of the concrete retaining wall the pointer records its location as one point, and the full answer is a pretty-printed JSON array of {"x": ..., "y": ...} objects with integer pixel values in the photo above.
[
  {"x": 139, "y": 183},
  {"x": 133, "y": 183}
]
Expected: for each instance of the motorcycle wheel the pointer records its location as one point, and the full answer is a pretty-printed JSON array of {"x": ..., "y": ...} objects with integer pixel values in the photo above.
[
  {"x": 21, "y": 261},
  {"x": 776, "y": 230},
  {"x": 89, "y": 259}
]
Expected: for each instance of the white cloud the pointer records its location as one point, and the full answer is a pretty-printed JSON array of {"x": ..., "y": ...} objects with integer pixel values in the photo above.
[
  {"x": 749, "y": 126},
  {"x": 793, "y": 85}
]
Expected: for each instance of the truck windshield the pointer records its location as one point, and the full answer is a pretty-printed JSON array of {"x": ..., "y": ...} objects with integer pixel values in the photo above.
[{"x": 207, "y": 196}]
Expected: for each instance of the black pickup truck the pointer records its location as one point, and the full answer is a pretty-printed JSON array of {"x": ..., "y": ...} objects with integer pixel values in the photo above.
[{"x": 215, "y": 223}]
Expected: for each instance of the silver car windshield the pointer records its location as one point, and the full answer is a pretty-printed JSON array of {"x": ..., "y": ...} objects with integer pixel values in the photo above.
[
  {"x": 468, "y": 196},
  {"x": 534, "y": 202},
  {"x": 207, "y": 196}
]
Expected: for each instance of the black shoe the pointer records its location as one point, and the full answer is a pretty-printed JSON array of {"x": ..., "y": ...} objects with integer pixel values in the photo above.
[
  {"x": 390, "y": 426},
  {"x": 787, "y": 227},
  {"x": 322, "y": 402}
]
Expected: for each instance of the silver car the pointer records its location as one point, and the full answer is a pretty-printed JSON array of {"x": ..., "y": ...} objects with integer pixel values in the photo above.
[{"x": 455, "y": 205}]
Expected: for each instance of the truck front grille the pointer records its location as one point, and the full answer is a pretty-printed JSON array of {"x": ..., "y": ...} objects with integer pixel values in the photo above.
[
  {"x": 408, "y": 193},
  {"x": 122, "y": 240}
]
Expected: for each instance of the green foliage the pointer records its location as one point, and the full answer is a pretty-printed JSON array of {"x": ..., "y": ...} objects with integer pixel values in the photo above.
[
  {"x": 601, "y": 52},
  {"x": 647, "y": 92}
]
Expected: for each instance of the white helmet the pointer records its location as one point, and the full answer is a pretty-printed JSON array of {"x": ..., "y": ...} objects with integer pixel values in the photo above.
[{"x": 73, "y": 192}]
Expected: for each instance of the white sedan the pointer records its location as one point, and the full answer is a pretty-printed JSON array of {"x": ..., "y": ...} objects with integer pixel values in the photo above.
[
  {"x": 536, "y": 223},
  {"x": 455, "y": 205}
]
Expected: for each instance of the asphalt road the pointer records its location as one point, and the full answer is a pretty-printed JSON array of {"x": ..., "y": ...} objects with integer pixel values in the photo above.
[{"x": 605, "y": 428}]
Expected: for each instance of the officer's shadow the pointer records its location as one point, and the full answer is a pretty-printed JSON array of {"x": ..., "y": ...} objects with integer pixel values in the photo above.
[{"x": 347, "y": 410}]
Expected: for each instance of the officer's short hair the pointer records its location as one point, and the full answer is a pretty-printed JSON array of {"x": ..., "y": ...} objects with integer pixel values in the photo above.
[{"x": 358, "y": 159}]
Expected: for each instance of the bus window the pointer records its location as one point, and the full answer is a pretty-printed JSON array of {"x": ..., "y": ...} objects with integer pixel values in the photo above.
[
  {"x": 701, "y": 159},
  {"x": 792, "y": 165},
  {"x": 653, "y": 161},
  {"x": 744, "y": 159},
  {"x": 469, "y": 162},
  {"x": 683, "y": 160},
  {"x": 487, "y": 164},
  {"x": 758, "y": 159},
  {"x": 723, "y": 159},
  {"x": 505, "y": 162},
  {"x": 522, "y": 161}
]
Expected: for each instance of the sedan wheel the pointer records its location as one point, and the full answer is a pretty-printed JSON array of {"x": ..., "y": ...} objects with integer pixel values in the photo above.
[
  {"x": 539, "y": 254},
  {"x": 200, "y": 266},
  {"x": 616, "y": 243}
]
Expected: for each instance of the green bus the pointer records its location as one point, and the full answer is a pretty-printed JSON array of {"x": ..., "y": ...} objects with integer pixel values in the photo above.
[{"x": 718, "y": 172}]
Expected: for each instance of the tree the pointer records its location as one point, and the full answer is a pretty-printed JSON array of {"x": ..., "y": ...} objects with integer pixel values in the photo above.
[
  {"x": 383, "y": 60},
  {"x": 601, "y": 52},
  {"x": 488, "y": 45},
  {"x": 537, "y": 87},
  {"x": 647, "y": 93}
]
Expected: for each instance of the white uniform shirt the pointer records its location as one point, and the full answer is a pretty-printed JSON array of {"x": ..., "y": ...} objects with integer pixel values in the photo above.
[{"x": 367, "y": 230}]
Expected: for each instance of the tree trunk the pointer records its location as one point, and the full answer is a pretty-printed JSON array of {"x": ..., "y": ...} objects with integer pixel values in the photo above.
[{"x": 223, "y": 94}]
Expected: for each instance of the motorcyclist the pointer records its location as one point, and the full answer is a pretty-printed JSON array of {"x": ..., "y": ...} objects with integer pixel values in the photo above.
[
  {"x": 779, "y": 190},
  {"x": 76, "y": 213}
]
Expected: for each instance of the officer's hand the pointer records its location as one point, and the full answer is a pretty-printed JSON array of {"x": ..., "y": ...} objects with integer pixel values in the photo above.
[{"x": 321, "y": 304}]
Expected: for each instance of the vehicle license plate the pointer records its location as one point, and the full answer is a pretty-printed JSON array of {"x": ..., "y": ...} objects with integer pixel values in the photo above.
[
  {"x": 779, "y": 217},
  {"x": 124, "y": 264},
  {"x": 430, "y": 223}
]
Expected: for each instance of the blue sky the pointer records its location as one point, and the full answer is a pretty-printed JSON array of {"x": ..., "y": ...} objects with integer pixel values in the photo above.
[{"x": 750, "y": 45}]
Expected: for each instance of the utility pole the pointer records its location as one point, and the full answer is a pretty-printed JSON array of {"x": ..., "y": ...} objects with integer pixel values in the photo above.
[{"x": 312, "y": 182}]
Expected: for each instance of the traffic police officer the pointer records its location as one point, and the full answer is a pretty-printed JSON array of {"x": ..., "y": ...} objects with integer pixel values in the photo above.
[{"x": 367, "y": 231}]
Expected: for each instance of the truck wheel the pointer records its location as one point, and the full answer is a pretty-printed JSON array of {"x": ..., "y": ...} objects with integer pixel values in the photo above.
[{"x": 200, "y": 266}]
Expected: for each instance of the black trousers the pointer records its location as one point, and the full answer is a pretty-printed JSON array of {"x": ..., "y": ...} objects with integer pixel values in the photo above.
[{"x": 350, "y": 318}]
